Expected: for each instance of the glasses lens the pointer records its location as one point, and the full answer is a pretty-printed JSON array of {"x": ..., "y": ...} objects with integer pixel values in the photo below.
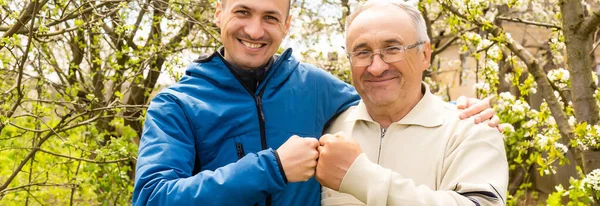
[
  {"x": 360, "y": 59},
  {"x": 393, "y": 57},
  {"x": 393, "y": 54}
]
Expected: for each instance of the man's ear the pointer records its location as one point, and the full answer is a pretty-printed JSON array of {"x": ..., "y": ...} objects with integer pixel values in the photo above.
[
  {"x": 426, "y": 53},
  {"x": 218, "y": 11},
  {"x": 287, "y": 24}
]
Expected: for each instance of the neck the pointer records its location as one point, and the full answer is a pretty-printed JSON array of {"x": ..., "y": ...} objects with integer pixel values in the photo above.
[{"x": 387, "y": 114}]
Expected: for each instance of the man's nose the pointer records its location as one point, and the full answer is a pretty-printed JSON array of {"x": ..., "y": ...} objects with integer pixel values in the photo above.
[
  {"x": 254, "y": 29},
  {"x": 378, "y": 66}
]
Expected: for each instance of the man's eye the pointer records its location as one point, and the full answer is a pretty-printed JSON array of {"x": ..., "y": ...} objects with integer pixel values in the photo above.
[
  {"x": 393, "y": 50},
  {"x": 362, "y": 54},
  {"x": 242, "y": 12},
  {"x": 272, "y": 18}
]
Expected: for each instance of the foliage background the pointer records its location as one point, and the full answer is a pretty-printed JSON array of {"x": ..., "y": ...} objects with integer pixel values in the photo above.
[{"x": 77, "y": 75}]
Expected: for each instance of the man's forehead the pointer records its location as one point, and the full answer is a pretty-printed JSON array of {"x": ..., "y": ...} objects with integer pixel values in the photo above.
[
  {"x": 379, "y": 27},
  {"x": 259, "y": 4}
]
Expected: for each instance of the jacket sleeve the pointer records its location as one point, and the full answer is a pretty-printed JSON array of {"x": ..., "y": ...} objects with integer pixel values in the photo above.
[
  {"x": 475, "y": 173},
  {"x": 166, "y": 159}
]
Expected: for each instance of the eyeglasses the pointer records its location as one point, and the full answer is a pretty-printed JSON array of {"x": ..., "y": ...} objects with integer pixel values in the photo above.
[{"x": 388, "y": 55}]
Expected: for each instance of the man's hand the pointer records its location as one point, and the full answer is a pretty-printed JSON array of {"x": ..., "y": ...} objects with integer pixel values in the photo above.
[
  {"x": 480, "y": 108},
  {"x": 298, "y": 158},
  {"x": 336, "y": 154}
]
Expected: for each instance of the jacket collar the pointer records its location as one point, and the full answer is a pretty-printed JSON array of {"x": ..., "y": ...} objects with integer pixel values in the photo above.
[
  {"x": 427, "y": 113},
  {"x": 213, "y": 68}
]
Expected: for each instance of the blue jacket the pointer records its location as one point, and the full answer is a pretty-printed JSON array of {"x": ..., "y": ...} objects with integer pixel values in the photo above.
[{"x": 208, "y": 121}]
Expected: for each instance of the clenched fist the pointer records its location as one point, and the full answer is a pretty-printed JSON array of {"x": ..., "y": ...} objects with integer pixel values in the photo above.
[
  {"x": 336, "y": 155},
  {"x": 298, "y": 157}
]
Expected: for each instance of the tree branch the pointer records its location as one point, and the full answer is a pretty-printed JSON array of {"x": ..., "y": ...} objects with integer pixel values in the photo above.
[
  {"x": 30, "y": 155},
  {"x": 41, "y": 184},
  {"x": 138, "y": 21},
  {"x": 28, "y": 13},
  {"x": 517, "y": 20},
  {"x": 86, "y": 160},
  {"x": 72, "y": 15},
  {"x": 21, "y": 68},
  {"x": 590, "y": 23},
  {"x": 445, "y": 46}
]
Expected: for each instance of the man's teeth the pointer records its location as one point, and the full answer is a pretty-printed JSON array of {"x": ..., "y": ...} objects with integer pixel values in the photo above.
[{"x": 251, "y": 45}]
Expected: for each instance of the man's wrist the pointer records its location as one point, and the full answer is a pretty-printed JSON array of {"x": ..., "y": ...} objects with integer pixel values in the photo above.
[{"x": 281, "y": 170}]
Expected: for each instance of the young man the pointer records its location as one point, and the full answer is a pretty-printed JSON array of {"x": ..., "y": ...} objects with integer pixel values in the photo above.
[{"x": 210, "y": 139}]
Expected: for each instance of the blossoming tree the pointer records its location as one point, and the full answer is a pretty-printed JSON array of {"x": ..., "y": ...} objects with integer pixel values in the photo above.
[{"x": 563, "y": 129}]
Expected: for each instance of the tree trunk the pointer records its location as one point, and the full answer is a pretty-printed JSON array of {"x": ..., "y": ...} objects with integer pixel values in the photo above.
[{"x": 579, "y": 46}]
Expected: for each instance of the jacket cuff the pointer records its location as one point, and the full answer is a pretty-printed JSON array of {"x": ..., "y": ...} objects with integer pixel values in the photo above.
[
  {"x": 361, "y": 176},
  {"x": 281, "y": 171}
]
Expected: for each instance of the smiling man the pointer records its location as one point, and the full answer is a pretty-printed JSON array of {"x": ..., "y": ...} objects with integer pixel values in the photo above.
[
  {"x": 225, "y": 134},
  {"x": 402, "y": 145}
]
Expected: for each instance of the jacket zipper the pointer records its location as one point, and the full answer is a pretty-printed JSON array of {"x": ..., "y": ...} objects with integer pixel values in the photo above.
[
  {"x": 383, "y": 130},
  {"x": 261, "y": 120},
  {"x": 263, "y": 135}
]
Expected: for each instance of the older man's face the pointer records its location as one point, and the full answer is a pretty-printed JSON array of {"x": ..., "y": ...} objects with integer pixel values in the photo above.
[
  {"x": 381, "y": 83},
  {"x": 251, "y": 30}
]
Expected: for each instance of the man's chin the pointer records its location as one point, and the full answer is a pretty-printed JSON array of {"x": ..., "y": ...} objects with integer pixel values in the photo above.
[
  {"x": 378, "y": 100},
  {"x": 249, "y": 61}
]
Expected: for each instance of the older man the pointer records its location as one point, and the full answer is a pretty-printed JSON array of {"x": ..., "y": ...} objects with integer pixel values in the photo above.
[
  {"x": 402, "y": 145},
  {"x": 225, "y": 133}
]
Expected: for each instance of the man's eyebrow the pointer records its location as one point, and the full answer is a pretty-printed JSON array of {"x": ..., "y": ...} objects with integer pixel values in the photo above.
[
  {"x": 359, "y": 46},
  {"x": 271, "y": 12},
  {"x": 393, "y": 41}
]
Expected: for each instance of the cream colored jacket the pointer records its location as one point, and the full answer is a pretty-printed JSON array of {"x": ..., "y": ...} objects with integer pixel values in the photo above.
[{"x": 429, "y": 157}]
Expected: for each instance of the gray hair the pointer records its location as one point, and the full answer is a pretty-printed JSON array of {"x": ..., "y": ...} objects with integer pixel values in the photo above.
[{"x": 417, "y": 16}]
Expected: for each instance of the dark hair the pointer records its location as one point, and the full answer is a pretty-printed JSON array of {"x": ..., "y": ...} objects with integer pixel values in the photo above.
[{"x": 288, "y": 10}]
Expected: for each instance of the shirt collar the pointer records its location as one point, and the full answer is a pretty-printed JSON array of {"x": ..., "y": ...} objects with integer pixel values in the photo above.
[{"x": 427, "y": 113}]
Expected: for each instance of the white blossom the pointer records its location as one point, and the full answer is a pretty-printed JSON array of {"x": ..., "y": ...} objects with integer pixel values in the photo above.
[
  {"x": 557, "y": 95},
  {"x": 558, "y": 59},
  {"x": 486, "y": 42},
  {"x": 494, "y": 52},
  {"x": 561, "y": 147},
  {"x": 507, "y": 36},
  {"x": 557, "y": 43},
  {"x": 560, "y": 78},
  {"x": 521, "y": 6},
  {"x": 572, "y": 120},
  {"x": 530, "y": 123},
  {"x": 508, "y": 128},
  {"x": 517, "y": 108},
  {"x": 532, "y": 90},
  {"x": 541, "y": 140},
  {"x": 509, "y": 77},
  {"x": 507, "y": 96},
  {"x": 550, "y": 121},
  {"x": 592, "y": 180},
  {"x": 492, "y": 65}
]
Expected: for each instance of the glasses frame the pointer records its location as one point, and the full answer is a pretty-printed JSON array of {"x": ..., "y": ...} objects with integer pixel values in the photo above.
[{"x": 402, "y": 48}]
